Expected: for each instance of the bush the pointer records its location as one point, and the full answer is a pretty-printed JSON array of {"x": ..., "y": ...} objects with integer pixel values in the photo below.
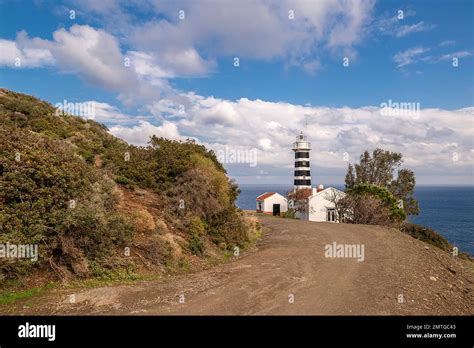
[
  {"x": 177, "y": 157},
  {"x": 427, "y": 235},
  {"x": 135, "y": 164},
  {"x": 196, "y": 231},
  {"x": 52, "y": 197},
  {"x": 123, "y": 181},
  {"x": 196, "y": 245},
  {"x": 289, "y": 214},
  {"x": 229, "y": 228},
  {"x": 371, "y": 204},
  {"x": 87, "y": 155}
]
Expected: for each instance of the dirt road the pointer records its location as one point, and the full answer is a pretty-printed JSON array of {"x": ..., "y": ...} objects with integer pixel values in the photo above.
[{"x": 288, "y": 273}]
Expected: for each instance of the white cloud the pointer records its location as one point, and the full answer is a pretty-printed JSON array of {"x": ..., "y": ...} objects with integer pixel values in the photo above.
[
  {"x": 265, "y": 144},
  {"x": 427, "y": 140},
  {"x": 447, "y": 43},
  {"x": 95, "y": 56},
  {"x": 24, "y": 52},
  {"x": 312, "y": 66},
  {"x": 112, "y": 116},
  {"x": 417, "y": 54},
  {"x": 395, "y": 26},
  {"x": 93, "y": 53},
  {"x": 249, "y": 29},
  {"x": 407, "y": 29},
  {"x": 218, "y": 112},
  {"x": 144, "y": 64},
  {"x": 458, "y": 54},
  {"x": 410, "y": 56},
  {"x": 141, "y": 133},
  {"x": 186, "y": 63}
]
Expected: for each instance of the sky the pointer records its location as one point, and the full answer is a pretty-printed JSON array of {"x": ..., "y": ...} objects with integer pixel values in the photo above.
[{"x": 245, "y": 77}]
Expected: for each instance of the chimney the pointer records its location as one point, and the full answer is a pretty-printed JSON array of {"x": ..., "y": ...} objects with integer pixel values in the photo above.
[
  {"x": 313, "y": 191},
  {"x": 320, "y": 188}
]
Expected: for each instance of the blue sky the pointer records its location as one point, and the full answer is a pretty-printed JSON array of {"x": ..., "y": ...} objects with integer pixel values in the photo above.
[{"x": 181, "y": 80}]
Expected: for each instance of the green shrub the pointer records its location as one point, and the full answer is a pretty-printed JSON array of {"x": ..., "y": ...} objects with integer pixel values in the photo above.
[
  {"x": 229, "y": 227},
  {"x": 87, "y": 155},
  {"x": 388, "y": 199},
  {"x": 196, "y": 231},
  {"x": 51, "y": 197},
  {"x": 427, "y": 235},
  {"x": 289, "y": 214},
  {"x": 196, "y": 244},
  {"x": 123, "y": 180}
]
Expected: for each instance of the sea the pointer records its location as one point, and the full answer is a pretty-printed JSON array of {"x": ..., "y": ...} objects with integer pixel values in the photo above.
[{"x": 449, "y": 210}]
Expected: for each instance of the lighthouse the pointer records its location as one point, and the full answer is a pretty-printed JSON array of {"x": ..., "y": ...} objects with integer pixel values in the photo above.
[{"x": 302, "y": 168}]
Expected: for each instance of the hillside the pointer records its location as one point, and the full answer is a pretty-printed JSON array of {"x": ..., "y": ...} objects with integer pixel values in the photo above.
[
  {"x": 290, "y": 260},
  {"x": 98, "y": 207}
]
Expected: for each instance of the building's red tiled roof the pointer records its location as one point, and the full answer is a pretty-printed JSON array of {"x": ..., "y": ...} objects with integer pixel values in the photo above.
[
  {"x": 301, "y": 194},
  {"x": 265, "y": 196}
]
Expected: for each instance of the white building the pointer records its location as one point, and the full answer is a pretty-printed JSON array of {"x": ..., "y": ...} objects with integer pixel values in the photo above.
[
  {"x": 319, "y": 205},
  {"x": 271, "y": 203}
]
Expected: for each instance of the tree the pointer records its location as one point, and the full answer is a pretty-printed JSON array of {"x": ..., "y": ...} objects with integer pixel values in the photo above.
[
  {"x": 341, "y": 205},
  {"x": 378, "y": 169},
  {"x": 297, "y": 200},
  {"x": 367, "y": 204},
  {"x": 403, "y": 188},
  {"x": 366, "y": 209},
  {"x": 350, "y": 177}
]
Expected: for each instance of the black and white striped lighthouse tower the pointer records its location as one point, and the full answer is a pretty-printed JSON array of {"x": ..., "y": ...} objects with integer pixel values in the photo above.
[{"x": 302, "y": 168}]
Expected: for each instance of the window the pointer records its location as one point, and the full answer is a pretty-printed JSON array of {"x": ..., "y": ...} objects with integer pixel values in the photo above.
[{"x": 331, "y": 215}]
